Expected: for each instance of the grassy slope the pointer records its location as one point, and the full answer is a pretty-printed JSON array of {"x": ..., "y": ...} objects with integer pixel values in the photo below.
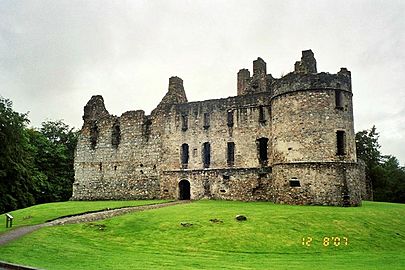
[
  {"x": 270, "y": 239},
  {"x": 41, "y": 213}
]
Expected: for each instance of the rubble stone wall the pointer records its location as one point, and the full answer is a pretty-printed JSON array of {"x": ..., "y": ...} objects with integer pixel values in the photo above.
[{"x": 291, "y": 141}]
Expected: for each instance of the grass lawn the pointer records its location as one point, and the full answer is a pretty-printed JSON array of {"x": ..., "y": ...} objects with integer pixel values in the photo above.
[
  {"x": 41, "y": 213},
  {"x": 271, "y": 238}
]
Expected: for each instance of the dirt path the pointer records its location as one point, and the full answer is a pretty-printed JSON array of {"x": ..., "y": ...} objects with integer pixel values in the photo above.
[{"x": 19, "y": 232}]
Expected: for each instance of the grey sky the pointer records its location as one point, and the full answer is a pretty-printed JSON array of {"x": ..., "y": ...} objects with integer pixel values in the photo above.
[{"x": 54, "y": 55}]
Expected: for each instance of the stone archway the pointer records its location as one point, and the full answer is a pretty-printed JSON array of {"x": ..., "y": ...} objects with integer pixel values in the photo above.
[{"x": 184, "y": 190}]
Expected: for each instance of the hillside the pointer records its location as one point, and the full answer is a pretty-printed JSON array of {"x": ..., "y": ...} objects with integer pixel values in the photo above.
[{"x": 371, "y": 236}]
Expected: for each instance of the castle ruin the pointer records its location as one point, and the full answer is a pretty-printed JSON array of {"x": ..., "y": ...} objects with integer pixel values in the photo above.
[{"x": 288, "y": 140}]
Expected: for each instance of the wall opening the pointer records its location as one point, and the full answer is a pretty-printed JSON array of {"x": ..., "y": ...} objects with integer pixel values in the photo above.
[
  {"x": 206, "y": 154},
  {"x": 262, "y": 150},
  {"x": 230, "y": 119},
  {"x": 231, "y": 154},
  {"x": 116, "y": 134},
  {"x": 262, "y": 116},
  {"x": 338, "y": 99},
  {"x": 206, "y": 120},
  {"x": 184, "y": 155},
  {"x": 93, "y": 135},
  {"x": 184, "y": 122},
  {"x": 184, "y": 190},
  {"x": 340, "y": 142},
  {"x": 294, "y": 182}
]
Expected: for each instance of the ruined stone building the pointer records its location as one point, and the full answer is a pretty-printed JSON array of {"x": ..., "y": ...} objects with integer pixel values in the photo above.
[{"x": 288, "y": 140}]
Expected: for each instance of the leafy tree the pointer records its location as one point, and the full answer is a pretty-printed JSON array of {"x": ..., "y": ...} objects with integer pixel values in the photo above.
[
  {"x": 384, "y": 172},
  {"x": 36, "y": 166},
  {"x": 54, "y": 145},
  {"x": 17, "y": 174}
]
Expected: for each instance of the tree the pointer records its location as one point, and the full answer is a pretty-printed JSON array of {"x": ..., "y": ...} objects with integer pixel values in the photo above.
[
  {"x": 17, "y": 176},
  {"x": 384, "y": 172},
  {"x": 54, "y": 145}
]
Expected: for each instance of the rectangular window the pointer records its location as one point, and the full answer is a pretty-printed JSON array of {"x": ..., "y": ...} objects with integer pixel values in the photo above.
[
  {"x": 262, "y": 149},
  {"x": 262, "y": 116},
  {"x": 184, "y": 154},
  {"x": 231, "y": 153},
  {"x": 294, "y": 182},
  {"x": 206, "y": 120},
  {"x": 184, "y": 122},
  {"x": 230, "y": 119},
  {"x": 338, "y": 99},
  {"x": 340, "y": 142},
  {"x": 206, "y": 154}
]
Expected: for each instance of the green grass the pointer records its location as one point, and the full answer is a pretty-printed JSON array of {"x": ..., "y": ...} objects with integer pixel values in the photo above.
[
  {"x": 271, "y": 238},
  {"x": 41, "y": 213}
]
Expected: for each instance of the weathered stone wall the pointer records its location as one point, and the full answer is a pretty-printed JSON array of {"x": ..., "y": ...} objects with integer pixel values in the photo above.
[
  {"x": 284, "y": 132},
  {"x": 128, "y": 171},
  {"x": 305, "y": 125},
  {"x": 319, "y": 183},
  {"x": 230, "y": 184},
  {"x": 244, "y": 132}
]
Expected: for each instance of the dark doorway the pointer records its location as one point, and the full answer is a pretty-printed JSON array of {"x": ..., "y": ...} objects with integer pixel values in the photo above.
[{"x": 184, "y": 190}]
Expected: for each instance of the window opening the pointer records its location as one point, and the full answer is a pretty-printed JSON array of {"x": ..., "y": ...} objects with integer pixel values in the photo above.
[
  {"x": 206, "y": 154},
  {"x": 231, "y": 153},
  {"x": 206, "y": 120},
  {"x": 262, "y": 117},
  {"x": 294, "y": 182},
  {"x": 340, "y": 142},
  {"x": 184, "y": 122},
  {"x": 262, "y": 149},
  {"x": 184, "y": 155},
  {"x": 230, "y": 119},
  {"x": 93, "y": 135},
  {"x": 116, "y": 135},
  {"x": 338, "y": 99}
]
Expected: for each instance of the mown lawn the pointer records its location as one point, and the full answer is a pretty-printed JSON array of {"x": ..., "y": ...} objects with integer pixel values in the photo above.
[
  {"x": 271, "y": 238},
  {"x": 41, "y": 213}
]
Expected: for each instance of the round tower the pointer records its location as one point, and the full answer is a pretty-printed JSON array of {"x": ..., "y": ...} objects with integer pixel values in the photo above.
[{"x": 313, "y": 144}]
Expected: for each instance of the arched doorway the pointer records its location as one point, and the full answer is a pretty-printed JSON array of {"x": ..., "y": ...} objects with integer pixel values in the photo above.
[{"x": 184, "y": 190}]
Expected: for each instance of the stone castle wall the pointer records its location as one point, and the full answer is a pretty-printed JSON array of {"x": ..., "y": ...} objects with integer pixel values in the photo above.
[{"x": 287, "y": 140}]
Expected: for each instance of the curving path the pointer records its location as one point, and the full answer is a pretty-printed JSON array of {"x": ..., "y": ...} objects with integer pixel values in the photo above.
[{"x": 19, "y": 232}]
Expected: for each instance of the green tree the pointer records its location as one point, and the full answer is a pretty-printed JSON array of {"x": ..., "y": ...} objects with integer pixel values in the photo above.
[
  {"x": 54, "y": 145},
  {"x": 384, "y": 172},
  {"x": 17, "y": 173}
]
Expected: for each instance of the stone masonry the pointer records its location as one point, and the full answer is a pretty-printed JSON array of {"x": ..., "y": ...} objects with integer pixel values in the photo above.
[{"x": 288, "y": 140}]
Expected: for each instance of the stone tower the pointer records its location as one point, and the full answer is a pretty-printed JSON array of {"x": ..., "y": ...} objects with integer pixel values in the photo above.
[
  {"x": 287, "y": 140},
  {"x": 313, "y": 140}
]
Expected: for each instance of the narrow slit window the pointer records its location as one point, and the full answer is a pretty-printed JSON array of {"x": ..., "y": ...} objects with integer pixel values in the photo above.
[
  {"x": 184, "y": 122},
  {"x": 116, "y": 135},
  {"x": 231, "y": 153},
  {"x": 262, "y": 116},
  {"x": 206, "y": 154},
  {"x": 338, "y": 99},
  {"x": 230, "y": 119},
  {"x": 93, "y": 135},
  {"x": 206, "y": 120},
  {"x": 262, "y": 150},
  {"x": 340, "y": 142},
  {"x": 184, "y": 154}
]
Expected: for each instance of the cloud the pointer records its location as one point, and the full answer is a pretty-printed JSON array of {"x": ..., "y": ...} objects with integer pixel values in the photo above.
[{"x": 54, "y": 55}]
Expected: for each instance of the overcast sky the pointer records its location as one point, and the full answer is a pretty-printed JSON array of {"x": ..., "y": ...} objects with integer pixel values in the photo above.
[{"x": 54, "y": 55}]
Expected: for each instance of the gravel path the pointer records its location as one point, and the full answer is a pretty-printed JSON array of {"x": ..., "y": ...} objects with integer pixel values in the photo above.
[{"x": 19, "y": 232}]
